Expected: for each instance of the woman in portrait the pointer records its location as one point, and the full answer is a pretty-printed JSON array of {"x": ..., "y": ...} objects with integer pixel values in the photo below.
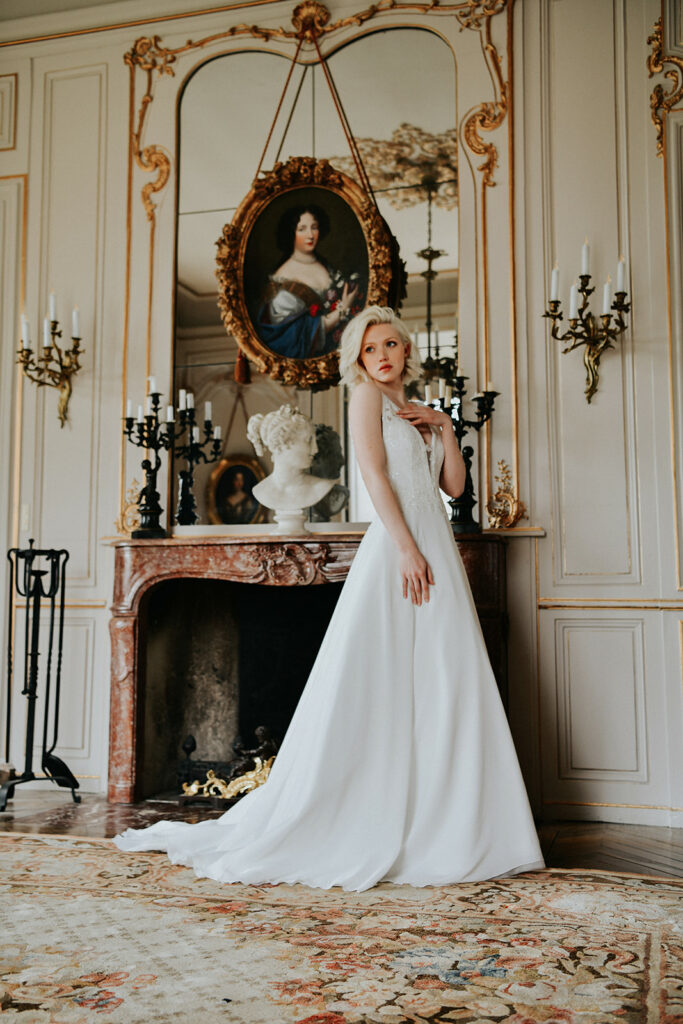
[
  {"x": 237, "y": 504},
  {"x": 307, "y": 303}
]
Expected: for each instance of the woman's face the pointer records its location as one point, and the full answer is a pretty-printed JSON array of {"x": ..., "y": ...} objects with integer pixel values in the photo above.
[
  {"x": 238, "y": 481},
  {"x": 306, "y": 234},
  {"x": 383, "y": 354}
]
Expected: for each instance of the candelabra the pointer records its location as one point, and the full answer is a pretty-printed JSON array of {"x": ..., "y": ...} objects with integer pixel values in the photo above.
[
  {"x": 584, "y": 328},
  {"x": 192, "y": 452},
  {"x": 150, "y": 433},
  {"x": 452, "y": 400},
  {"x": 56, "y": 366}
]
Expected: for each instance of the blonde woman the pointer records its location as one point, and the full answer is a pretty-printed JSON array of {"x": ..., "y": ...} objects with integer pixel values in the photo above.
[{"x": 398, "y": 764}]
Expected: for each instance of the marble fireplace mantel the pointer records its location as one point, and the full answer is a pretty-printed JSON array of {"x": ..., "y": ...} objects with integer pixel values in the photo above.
[{"x": 263, "y": 558}]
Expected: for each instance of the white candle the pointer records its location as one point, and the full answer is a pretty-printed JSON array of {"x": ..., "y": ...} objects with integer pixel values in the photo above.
[
  {"x": 585, "y": 257},
  {"x": 207, "y": 410},
  {"x": 182, "y": 399},
  {"x": 458, "y": 372},
  {"x": 607, "y": 297},
  {"x": 555, "y": 283},
  {"x": 47, "y": 338},
  {"x": 195, "y": 434},
  {"x": 169, "y": 414},
  {"x": 25, "y": 331},
  {"x": 574, "y": 302},
  {"x": 217, "y": 433},
  {"x": 428, "y": 393},
  {"x": 52, "y": 306},
  {"x": 149, "y": 408},
  {"x": 190, "y": 400},
  {"x": 621, "y": 275},
  {"x": 140, "y": 416},
  {"x": 153, "y": 390},
  {"x": 129, "y": 408},
  {"x": 442, "y": 388},
  {"x": 490, "y": 387},
  {"x": 416, "y": 338},
  {"x": 75, "y": 323},
  {"x": 449, "y": 394},
  {"x": 436, "y": 334}
]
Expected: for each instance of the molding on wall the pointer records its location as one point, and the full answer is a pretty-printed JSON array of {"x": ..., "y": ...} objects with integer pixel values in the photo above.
[
  {"x": 8, "y": 111},
  {"x": 631, "y": 764}
]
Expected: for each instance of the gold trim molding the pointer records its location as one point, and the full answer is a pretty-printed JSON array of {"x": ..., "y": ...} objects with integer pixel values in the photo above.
[{"x": 662, "y": 102}]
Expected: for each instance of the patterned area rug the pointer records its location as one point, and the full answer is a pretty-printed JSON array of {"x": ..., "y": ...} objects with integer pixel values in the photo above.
[{"x": 91, "y": 934}]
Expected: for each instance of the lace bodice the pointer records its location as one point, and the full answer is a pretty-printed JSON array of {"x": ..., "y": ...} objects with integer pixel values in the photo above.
[{"x": 413, "y": 466}]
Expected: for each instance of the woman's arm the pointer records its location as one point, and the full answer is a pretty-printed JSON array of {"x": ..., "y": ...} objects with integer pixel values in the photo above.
[
  {"x": 365, "y": 420},
  {"x": 452, "y": 478}
]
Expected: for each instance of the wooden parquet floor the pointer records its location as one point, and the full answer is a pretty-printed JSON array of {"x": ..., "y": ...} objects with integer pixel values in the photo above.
[{"x": 642, "y": 849}]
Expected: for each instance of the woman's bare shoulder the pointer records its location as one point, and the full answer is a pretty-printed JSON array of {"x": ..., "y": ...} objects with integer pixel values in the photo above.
[{"x": 366, "y": 397}]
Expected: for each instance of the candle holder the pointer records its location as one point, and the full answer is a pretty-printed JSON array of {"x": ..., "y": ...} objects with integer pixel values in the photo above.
[
  {"x": 149, "y": 433},
  {"x": 54, "y": 368},
  {"x": 193, "y": 452},
  {"x": 462, "y": 520},
  {"x": 584, "y": 329}
]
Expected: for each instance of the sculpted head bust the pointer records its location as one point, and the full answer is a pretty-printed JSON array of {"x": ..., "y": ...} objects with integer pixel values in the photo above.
[{"x": 290, "y": 438}]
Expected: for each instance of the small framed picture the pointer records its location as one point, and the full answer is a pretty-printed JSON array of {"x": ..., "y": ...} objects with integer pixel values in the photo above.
[
  {"x": 306, "y": 250},
  {"x": 229, "y": 497}
]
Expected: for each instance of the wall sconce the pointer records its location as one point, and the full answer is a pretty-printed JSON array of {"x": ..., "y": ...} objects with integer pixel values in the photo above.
[
  {"x": 56, "y": 366},
  {"x": 584, "y": 328}
]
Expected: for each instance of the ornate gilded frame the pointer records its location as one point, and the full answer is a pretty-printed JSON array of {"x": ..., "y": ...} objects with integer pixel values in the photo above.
[
  {"x": 227, "y": 463},
  {"x": 297, "y": 174}
]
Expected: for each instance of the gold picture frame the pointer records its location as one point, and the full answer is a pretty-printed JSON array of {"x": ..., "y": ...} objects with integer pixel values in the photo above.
[
  {"x": 221, "y": 487},
  {"x": 355, "y": 246}
]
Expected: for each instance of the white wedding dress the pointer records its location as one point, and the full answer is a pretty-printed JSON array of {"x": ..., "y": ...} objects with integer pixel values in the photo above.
[{"x": 398, "y": 763}]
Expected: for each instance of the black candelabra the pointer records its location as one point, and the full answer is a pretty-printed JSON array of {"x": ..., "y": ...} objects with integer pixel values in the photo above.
[
  {"x": 154, "y": 435},
  {"x": 451, "y": 400}
]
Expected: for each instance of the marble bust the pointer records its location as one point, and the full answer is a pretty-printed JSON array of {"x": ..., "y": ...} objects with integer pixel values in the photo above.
[{"x": 290, "y": 488}]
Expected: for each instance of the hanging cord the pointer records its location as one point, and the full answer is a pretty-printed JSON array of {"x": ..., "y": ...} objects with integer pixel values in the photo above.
[
  {"x": 279, "y": 107},
  {"x": 291, "y": 114},
  {"x": 355, "y": 152}
]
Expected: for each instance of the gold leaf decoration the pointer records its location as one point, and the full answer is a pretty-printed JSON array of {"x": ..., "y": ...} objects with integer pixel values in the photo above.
[{"x": 504, "y": 508}]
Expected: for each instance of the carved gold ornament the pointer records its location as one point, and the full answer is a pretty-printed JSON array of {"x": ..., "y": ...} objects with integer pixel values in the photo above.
[
  {"x": 229, "y": 790},
  {"x": 129, "y": 519},
  {"x": 504, "y": 508},
  {"x": 404, "y": 160},
  {"x": 296, "y": 174},
  {"x": 660, "y": 100}
]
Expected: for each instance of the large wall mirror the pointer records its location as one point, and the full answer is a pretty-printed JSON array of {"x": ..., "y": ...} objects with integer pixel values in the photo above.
[{"x": 398, "y": 87}]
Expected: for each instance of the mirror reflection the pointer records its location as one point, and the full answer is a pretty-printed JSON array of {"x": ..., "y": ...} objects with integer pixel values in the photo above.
[{"x": 405, "y": 125}]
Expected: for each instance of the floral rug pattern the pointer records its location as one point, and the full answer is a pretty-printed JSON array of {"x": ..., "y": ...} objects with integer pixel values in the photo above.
[{"x": 90, "y": 934}]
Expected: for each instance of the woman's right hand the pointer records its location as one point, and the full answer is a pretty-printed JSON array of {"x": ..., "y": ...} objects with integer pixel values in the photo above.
[
  {"x": 348, "y": 295},
  {"x": 417, "y": 576}
]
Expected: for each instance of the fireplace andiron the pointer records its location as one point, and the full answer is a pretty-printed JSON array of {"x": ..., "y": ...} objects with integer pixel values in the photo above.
[{"x": 35, "y": 574}]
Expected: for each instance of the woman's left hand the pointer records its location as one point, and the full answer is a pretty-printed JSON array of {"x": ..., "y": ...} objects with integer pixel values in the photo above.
[{"x": 423, "y": 415}]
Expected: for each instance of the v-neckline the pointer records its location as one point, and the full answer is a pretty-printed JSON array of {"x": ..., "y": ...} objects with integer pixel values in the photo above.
[{"x": 428, "y": 444}]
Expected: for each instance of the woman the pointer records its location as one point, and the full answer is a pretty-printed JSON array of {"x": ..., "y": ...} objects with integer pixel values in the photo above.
[
  {"x": 398, "y": 763},
  {"x": 306, "y": 302},
  {"x": 239, "y": 505}
]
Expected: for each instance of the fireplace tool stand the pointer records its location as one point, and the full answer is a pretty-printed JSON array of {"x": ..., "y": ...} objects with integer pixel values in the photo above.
[{"x": 36, "y": 574}]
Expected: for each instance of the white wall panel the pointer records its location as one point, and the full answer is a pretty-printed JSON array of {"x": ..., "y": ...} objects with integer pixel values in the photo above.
[
  {"x": 73, "y": 154},
  {"x": 600, "y": 682},
  {"x": 8, "y": 111}
]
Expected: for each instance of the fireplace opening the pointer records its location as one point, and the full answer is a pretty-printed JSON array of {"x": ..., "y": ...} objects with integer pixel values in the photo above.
[{"x": 218, "y": 659}]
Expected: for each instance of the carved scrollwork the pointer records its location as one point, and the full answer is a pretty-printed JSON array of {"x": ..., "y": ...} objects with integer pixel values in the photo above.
[
  {"x": 288, "y": 565},
  {"x": 476, "y": 11},
  {"x": 488, "y": 116},
  {"x": 659, "y": 99},
  {"x": 504, "y": 508}
]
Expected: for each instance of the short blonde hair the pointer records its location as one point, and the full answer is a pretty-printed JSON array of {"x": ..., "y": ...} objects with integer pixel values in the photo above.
[{"x": 350, "y": 369}]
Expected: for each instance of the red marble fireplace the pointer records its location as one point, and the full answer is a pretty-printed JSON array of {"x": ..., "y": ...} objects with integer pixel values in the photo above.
[{"x": 265, "y": 559}]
